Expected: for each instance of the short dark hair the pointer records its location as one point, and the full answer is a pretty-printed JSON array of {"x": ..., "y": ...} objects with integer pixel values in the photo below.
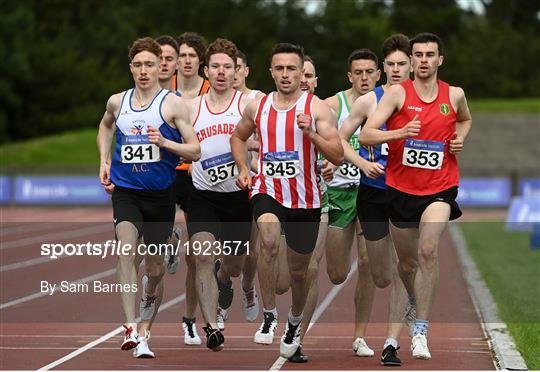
[
  {"x": 309, "y": 59},
  {"x": 196, "y": 41},
  {"x": 242, "y": 56},
  {"x": 224, "y": 46},
  {"x": 168, "y": 40},
  {"x": 144, "y": 44},
  {"x": 428, "y": 37},
  {"x": 288, "y": 48},
  {"x": 396, "y": 42},
  {"x": 362, "y": 54}
]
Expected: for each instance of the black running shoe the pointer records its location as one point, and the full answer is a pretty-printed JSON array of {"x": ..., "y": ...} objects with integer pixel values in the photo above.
[
  {"x": 389, "y": 356},
  {"x": 299, "y": 356},
  {"x": 214, "y": 338},
  {"x": 226, "y": 292}
]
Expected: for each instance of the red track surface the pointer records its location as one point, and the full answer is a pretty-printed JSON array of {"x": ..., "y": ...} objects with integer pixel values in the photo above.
[{"x": 39, "y": 330}]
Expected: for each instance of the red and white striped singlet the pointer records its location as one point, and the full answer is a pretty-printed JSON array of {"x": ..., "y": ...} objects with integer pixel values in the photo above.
[{"x": 287, "y": 158}]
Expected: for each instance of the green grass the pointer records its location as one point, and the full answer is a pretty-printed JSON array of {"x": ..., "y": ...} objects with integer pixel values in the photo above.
[
  {"x": 518, "y": 105},
  {"x": 69, "y": 149},
  {"x": 511, "y": 270}
]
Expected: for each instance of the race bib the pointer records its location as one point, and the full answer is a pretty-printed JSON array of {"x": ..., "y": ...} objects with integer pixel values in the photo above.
[
  {"x": 423, "y": 154},
  {"x": 283, "y": 164},
  {"x": 219, "y": 168},
  {"x": 349, "y": 171},
  {"x": 136, "y": 149}
]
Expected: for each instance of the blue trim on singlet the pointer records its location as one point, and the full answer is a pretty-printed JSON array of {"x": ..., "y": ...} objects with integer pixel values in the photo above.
[
  {"x": 147, "y": 176},
  {"x": 147, "y": 107},
  {"x": 373, "y": 154}
]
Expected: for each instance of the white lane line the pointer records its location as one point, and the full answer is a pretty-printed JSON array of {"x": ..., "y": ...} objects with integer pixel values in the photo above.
[
  {"x": 31, "y": 262},
  {"x": 33, "y": 296},
  {"x": 51, "y": 238},
  {"x": 105, "y": 337},
  {"x": 26, "y": 227},
  {"x": 320, "y": 310}
]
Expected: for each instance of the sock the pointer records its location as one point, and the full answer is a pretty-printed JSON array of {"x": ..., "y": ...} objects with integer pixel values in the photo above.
[
  {"x": 390, "y": 341},
  {"x": 412, "y": 300},
  {"x": 295, "y": 320},
  {"x": 421, "y": 327},
  {"x": 188, "y": 320},
  {"x": 273, "y": 311}
]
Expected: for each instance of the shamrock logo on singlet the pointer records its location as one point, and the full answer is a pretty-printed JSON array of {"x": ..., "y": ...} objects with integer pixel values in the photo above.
[
  {"x": 137, "y": 130},
  {"x": 444, "y": 108}
]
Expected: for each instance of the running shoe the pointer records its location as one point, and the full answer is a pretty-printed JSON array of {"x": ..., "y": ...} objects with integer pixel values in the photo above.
[
  {"x": 299, "y": 356},
  {"x": 389, "y": 356},
  {"x": 361, "y": 348},
  {"x": 190, "y": 332},
  {"x": 142, "y": 350},
  {"x": 265, "y": 334},
  {"x": 290, "y": 341},
  {"x": 222, "y": 316},
  {"x": 131, "y": 338},
  {"x": 250, "y": 304},
  {"x": 214, "y": 338},
  {"x": 226, "y": 292},
  {"x": 419, "y": 347}
]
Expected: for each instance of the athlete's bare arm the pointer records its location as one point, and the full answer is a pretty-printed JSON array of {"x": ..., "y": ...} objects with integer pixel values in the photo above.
[
  {"x": 333, "y": 102},
  {"x": 176, "y": 112},
  {"x": 252, "y": 145},
  {"x": 105, "y": 137},
  {"x": 244, "y": 129},
  {"x": 325, "y": 137},
  {"x": 361, "y": 109},
  {"x": 464, "y": 119},
  {"x": 391, "y": 102}
]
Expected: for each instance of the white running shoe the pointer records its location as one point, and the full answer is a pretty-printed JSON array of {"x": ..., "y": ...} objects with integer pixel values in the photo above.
[
  {"x": 171, "y": 258},
  {"x": 419, "y": 347},
  {"x": 148, "y": 303},
  {"x": 290, "y": 341},
  {"x": 190, "y": 332},
  {"x": 265, "y": 334},
  {"x": 410, "y": 317},
  {"x": 142, "y": 350},
  {"x": 222, "y": 316},
  {"x": 131, "y": 338},
  {"x": 250, "y": 304},
  {"x": 361, "y": 348}
]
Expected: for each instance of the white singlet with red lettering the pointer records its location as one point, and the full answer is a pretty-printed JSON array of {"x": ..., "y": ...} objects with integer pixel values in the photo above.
[
  {"x": 216, "y": 170},
  {"x": 287, "y": 158}
]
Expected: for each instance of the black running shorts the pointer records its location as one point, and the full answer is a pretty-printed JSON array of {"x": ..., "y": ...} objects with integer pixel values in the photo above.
[
  {"x": 152, "y": 212},
  {"x": 226, "y": 215},
  {"x": 301, "y": 226},
  {"x": 371, "y": 210},
  {"x": 405, "y": 210},
  {"x": 183, "y": 186}
]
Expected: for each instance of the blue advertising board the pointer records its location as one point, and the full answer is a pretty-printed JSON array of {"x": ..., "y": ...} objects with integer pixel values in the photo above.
[
  {"x": 484, "y": 192},
  {"x": 5, "y": 190},
  {"x": 59, "y": 190},
  {"x": 524, "y": 212},
  {"x": 529, "y": 187}
]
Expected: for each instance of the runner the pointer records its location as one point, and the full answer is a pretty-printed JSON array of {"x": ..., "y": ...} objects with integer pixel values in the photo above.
[
  {"x": 291, "y": 126},
  {"x": 242, "y": 72},
  {"x": 142, "y": 172},
  {"x": 189, "y": 82},
  {"x": 370, "y": 203},
  {"x": 309, "y": 83},
  {"x": 219, "y": 218},
  {"x": 344, "y": 228},
  {"x": 427, "y": 122}
]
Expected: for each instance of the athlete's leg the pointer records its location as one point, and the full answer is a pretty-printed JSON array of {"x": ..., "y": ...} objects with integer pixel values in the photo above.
[
  {"x": 298, "y": 264},
  {"x": 281, "y": 268},
  {"x": 365, "y": 290},
  {"x": 249, "y": 270},
  {"x": 191, "y": 292},
  {"x": 432, "y": 224},
  {"x": 406, "y": 243},
  {"x": 313, "y": 274},
  {"x": 397, "y": 300},
  {"x": 126, "y": 272},
  {"x": 338, "y": 252},
  {"x": 270, "y": 236}
]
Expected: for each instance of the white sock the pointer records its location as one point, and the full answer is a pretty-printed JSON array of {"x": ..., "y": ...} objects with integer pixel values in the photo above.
[{"x": 390, "y": 341}]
